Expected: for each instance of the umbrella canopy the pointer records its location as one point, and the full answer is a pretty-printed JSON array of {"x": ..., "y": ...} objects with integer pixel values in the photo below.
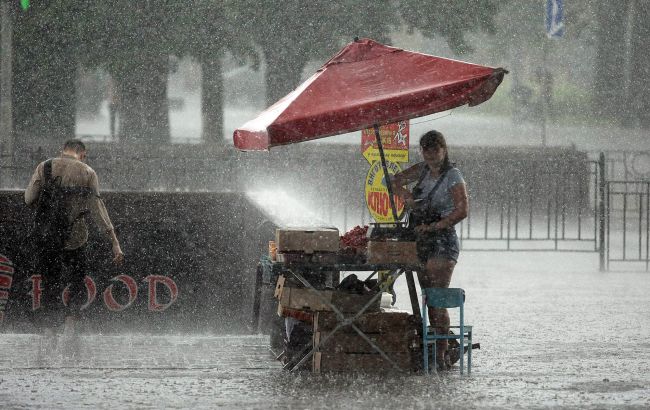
[{"x": 368, "y": 83}]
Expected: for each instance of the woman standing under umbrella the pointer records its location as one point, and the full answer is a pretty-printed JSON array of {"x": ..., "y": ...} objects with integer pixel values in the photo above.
[{"x": 438, "y": 202}]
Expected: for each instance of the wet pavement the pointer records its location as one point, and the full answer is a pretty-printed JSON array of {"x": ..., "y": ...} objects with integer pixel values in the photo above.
[{"x": 554, "y": 332}]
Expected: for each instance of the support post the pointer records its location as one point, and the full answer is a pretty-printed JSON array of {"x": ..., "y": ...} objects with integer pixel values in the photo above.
[
  {"x": 6, "y": 106},
  {"x": 380, "y": 147},
  {"x": 601, "y": 210}
]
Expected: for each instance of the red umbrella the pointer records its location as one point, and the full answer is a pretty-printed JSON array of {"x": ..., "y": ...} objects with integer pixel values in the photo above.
[{"x": 366, "y": 84}]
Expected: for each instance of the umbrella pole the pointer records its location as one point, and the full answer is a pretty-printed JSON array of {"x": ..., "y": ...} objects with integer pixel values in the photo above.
[{"x": 393, "y": 208}]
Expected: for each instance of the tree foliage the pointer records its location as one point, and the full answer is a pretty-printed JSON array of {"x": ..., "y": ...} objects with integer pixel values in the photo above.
[
  {"x": 290, "y": 33},
  {"x": 450, "y": 19},
  {"x": 133, "y": 41}
]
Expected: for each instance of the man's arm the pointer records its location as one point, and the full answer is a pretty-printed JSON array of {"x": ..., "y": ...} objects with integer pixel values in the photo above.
[
  {"x": 33, "y": 190},
  {"x": 101, "y": 218}
]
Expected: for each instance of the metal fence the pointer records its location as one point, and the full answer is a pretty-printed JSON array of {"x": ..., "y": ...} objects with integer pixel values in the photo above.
[
  {"x": 567, "y": 220},
  {"x": 628, "y": 223},
  {"x": 594, "y": 205}
]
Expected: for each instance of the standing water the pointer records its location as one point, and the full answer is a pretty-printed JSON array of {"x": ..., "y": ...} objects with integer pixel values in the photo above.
[{"x": 554, "y": 332}]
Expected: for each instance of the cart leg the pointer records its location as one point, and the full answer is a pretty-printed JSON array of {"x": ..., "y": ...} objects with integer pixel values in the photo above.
[{"x": 413, "y": 294}]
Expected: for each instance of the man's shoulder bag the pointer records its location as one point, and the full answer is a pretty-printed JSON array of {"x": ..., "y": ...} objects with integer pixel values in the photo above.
[{"x": 50, "y": 228}]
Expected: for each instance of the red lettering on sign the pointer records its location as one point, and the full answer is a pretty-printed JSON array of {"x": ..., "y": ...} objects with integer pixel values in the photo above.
[
  {"x": 380, "y": 204},
  {"x": 385, "y": 204},
  {"x": 109, "y": 300},
  {"x": 91, "y": 293},
  {"x": 153, "y": 292},
  {"x": 131, "y": 286},
  {"x": 5, "y": 281},
  {"x": 36, "y": 291},
  {"x": 6, "y": 268}
]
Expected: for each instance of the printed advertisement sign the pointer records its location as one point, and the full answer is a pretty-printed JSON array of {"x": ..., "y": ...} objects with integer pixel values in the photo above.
[
  {"x": 394, "y": 140},
  {"x": 376, "y": 193}
]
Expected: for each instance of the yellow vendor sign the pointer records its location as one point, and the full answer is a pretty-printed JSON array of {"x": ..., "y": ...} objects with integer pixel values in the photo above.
[
  {"x": 395, "y": 144},
  {"x": 376, "y": 193}
]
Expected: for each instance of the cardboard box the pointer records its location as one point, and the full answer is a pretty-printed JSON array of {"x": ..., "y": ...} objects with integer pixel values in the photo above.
[
  {"x": 317, "y": 300},
  {"x": 305, "y": 299},
  {"x": 362, "y": 362},
  {"x": 404, "y": 341},
  {"x": 373, "y": 322},
  {"x": 395, "y": 333},
  {"x": 393, "y": 252},
  {"x": 301, "y": 258},
  {"x": 307, "y": 240}
]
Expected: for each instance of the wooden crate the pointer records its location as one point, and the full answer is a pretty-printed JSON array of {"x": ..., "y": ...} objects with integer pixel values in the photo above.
[
  {"x": 316, "y": 300},
  {"x": 393, "y": 252},
  {"x": 360, "y": 362},
  {"x": 307, "y": 240},
  {"x": 373, "y": 322},
  {"x": 303, "y": 258},
  {"x": 346, "y": 351},
  {"x": 354, "y": 343}
]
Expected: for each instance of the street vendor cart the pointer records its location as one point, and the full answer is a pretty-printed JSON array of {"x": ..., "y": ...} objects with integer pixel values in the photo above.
[{"x": 365, "y": 85}]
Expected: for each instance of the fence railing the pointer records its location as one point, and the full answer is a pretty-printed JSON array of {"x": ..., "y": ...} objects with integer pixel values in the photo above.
[
  {"x": 595, "y": 205},
  {"x": 628, "y": 222},
  {"x": 518, "y": 220}
]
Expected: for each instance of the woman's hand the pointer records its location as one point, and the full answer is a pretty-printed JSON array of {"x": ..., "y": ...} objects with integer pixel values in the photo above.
[
  {"x": 407, "y": 198},
  {"x": 439, "y": 226},
  {"x": 420, "y": 229}
]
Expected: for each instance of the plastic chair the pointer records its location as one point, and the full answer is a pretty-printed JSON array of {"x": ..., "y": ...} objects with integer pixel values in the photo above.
[{"x": 445, "y": 298}]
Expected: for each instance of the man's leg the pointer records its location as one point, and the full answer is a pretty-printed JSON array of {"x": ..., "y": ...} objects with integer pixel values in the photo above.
[
  {"x": 49, "y": 315},
  {"x": 74, "y": 265}
]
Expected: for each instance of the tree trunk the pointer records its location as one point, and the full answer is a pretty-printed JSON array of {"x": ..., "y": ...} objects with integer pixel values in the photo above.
[
  {"x": 609, "y": 95},
  {"x": 142, "y": 101},
  {"x": 212, "y": 101},
  {"x": 44, "y": 85},
  {"x": 283, "y": 70},
  {"x": 638, "y": 98}
]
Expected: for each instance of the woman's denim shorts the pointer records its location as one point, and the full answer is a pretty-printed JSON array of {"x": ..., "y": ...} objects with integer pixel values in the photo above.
[{"x": 438, "y": 244}]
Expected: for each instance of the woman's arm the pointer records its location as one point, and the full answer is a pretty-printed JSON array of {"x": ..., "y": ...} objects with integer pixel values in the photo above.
[
  {"x": 461, "y": 207},
  {"x": 401, "y": 179}
]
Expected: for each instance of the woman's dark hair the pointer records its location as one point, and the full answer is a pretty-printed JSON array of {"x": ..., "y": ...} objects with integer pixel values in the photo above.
[{"x": 435, "y": 139}]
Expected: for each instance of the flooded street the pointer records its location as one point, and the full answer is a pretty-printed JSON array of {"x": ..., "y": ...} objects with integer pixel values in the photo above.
[{"x": 554, "y": 332}]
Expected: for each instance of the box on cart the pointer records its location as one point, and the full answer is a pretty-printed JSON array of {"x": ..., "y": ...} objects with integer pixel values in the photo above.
[
  {"x": 388, "y": 251},
  {"x": 307, "y": 240},
  {"x": 319, "y": 300},
  {"x": 394, "y": 333}
]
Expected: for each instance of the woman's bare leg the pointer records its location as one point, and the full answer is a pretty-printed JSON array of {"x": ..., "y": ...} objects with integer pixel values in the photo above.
[{"x": 438, "y": 275}]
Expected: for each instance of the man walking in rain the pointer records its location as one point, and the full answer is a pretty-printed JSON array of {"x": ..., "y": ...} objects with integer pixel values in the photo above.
[{"x": 64, "y": 191}]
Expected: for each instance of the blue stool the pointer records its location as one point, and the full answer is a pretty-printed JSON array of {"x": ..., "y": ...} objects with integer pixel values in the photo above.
[{"x": 444, "y": 298}]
